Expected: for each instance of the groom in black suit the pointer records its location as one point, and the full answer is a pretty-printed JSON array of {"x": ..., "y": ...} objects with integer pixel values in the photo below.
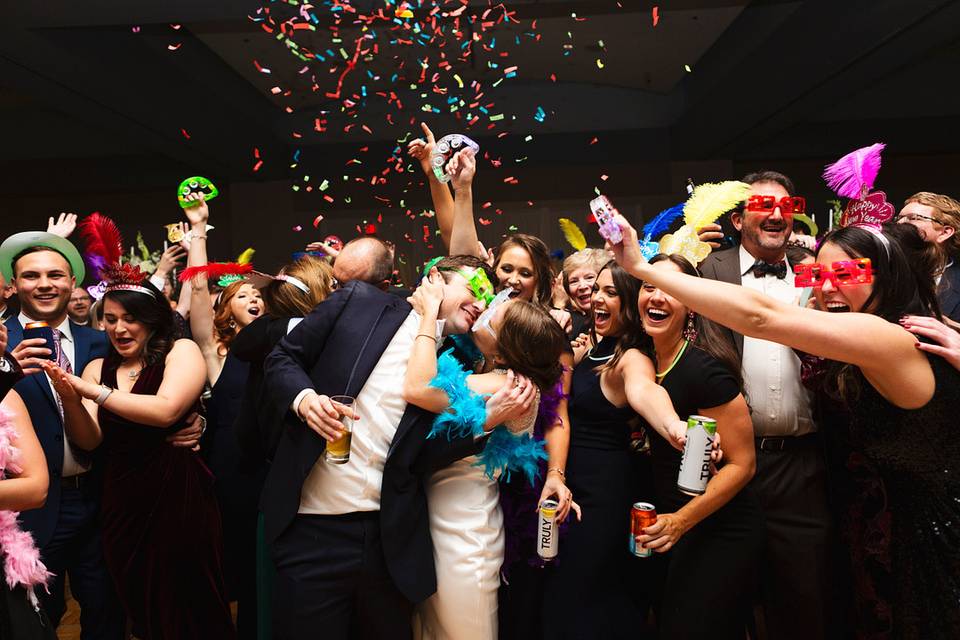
[{"x": 351, "y": 542}]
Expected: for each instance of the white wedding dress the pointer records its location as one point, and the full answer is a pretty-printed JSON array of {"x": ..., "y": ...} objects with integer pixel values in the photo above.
[{"x": 466, "y": 525}]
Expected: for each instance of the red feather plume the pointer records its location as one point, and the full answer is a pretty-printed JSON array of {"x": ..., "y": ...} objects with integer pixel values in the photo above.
[
  {"x": 103, "y": 241},
  {"x": 116, "y": 273},
  {"x": 216, "y": 270}
]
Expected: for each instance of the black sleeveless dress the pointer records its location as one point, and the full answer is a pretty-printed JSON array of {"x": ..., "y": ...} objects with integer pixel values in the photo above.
[
  {"x": 590, "y": 595},
  {"x": 160, "y": 526},
  {"x": 896, "y": 485}
]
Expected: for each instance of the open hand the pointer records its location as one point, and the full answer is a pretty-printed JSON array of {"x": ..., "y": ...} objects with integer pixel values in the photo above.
[
  {"x": 323, "y": 247},
  {"x": 170, "y": 260},
  {"x": 511, "y": 401},
  {"x": 563, "y": 318},
  {"x": 711, "y": 233},
  {"x": 946, "y": 338},
  {"x": 62, "y": 226},
  {"x": 422, "y": 148},
  {"x": 429, "y": 295},
  {"x": 189, "y": 436},
  {"x": 69, "y": 387}
]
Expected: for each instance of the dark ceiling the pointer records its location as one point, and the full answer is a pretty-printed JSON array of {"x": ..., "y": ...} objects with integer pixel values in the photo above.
[{"x": 114, "y": 95}]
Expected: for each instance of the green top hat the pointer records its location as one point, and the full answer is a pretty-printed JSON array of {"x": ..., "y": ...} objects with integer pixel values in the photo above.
[{"x": 20, "y": 241}]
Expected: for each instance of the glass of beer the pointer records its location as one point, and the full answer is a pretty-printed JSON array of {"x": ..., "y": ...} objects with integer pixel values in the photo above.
[{"x": 338, "y": 451}]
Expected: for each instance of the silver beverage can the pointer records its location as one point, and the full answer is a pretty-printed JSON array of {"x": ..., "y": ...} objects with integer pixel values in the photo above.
[
  {"x": 695, "y": 464},
  {"x": 547, "y": 542}
]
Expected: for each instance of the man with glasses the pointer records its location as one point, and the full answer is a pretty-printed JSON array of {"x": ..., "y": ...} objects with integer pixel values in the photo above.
[
  {"x": 937, "y": 217},
  {"x": 791, "y": 471},
  {"x": 79, "y": 307}
]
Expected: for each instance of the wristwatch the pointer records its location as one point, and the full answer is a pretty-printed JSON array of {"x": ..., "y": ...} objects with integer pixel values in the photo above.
[{"x": 5, "y": 366}]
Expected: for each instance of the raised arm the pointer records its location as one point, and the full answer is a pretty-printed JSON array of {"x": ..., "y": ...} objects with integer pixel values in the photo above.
[
  {"x": 736, "y": 432},
  {"x": 421, "y": 149},
  {"x": 885, "y": 352},
  {"x": 25, "y": 486},
  {"x": 463, "y": 236},
  {"x": 648, "y": 398},
  {"x": 201, "y": 304}
]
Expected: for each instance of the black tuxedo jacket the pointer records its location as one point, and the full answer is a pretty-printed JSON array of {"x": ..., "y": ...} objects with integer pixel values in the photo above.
[
  {"x": 333, "y": 351},
  {"x": 949, "y": 291}
]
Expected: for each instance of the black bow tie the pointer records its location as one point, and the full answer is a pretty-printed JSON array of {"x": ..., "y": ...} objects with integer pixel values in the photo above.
[{"x": 761, "y": 269}]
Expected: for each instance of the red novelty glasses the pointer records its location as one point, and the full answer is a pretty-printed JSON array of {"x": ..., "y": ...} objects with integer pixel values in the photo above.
[
  {"x": 844, "y": 272},
  {"x": 766, "y": 204}
]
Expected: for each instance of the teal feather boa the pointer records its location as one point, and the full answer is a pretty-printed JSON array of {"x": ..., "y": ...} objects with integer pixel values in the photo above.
[{"x": 504, "y": 453}]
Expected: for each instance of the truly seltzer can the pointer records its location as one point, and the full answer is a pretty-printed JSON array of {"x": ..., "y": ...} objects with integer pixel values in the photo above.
[
  {"x": 547, "y": 538},
  {"x": 642, "y": 515},
  {"x": 695, "y": 464}
]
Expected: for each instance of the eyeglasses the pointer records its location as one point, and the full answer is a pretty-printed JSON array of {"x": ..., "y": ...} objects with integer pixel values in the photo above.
[
  {"x": 789, "y": 205},
  {"x": 914, "y": 217},
  {"x": 842, "y": 273}
]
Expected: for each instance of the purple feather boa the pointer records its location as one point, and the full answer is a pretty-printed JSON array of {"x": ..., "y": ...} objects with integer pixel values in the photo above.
[{"x": 518, "y": 497}]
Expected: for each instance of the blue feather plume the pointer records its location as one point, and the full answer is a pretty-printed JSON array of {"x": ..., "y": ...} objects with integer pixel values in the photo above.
[
  {"x": 662, "y": 221},
  {"x": 506, "y": 453}
]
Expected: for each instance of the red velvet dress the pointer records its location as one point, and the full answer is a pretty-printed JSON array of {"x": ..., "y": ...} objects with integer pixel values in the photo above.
[{"x": 161, "y": 530}]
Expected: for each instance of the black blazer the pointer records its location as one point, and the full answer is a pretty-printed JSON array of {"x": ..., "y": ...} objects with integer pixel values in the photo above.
[
  {"x": 88, "y": 344},
  {"x": 333, "y": 351},
  {"x": 949, "y": 291},
  {"x": 259, "y": 423}
]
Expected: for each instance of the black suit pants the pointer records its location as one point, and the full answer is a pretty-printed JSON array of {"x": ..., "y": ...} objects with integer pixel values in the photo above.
[
  {"x": 332, "y": 581},
  {"x": 795, "y": 580}
]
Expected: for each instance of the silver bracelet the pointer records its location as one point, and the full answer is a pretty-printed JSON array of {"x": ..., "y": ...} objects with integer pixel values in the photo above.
[{"x": 105, "y": 392}]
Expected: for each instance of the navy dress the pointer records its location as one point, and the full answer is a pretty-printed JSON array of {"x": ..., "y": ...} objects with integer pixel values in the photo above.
[
  {"x": 591, "y": 593},
  {"x": 237, "y": 485}
]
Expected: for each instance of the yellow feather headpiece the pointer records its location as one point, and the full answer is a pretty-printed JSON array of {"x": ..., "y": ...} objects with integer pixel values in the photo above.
[{"x": 708, "y": 202}]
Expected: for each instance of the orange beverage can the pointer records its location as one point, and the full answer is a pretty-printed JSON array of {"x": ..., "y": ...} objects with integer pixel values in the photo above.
[{"x": 642, "y": 515}]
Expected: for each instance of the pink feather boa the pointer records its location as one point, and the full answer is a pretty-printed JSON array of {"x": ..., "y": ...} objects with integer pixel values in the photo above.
[{"x": 21, "y": 559}]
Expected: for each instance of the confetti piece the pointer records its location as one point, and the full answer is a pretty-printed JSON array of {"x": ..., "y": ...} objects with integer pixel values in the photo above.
[
  {"x": 594, "y": 141},
  {"x": 298, "y": 228},
  {"x": 174, "y": 47},
  {"x": 687, "y": 68},
  {"x": 656, "y": 15},
  {"x": 185, "y": 134},
  {"x": 484, "y": 221},
  {"x": 260, "y": 68},
  {"x": 599, "y": 63},
  {"x": 604, "y": 177}
]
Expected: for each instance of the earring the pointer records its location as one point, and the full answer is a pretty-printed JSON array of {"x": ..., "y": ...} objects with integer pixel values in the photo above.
[
  {"x": 233, "y": 324},
  {"x": 690, "y": 330}
]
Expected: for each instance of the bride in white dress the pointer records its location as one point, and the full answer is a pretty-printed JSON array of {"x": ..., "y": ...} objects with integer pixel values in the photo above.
[{"x": 466, "y": 523}]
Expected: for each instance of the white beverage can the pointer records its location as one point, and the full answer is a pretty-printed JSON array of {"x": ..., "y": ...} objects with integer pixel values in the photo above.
[{"x": 695, "y": 464}]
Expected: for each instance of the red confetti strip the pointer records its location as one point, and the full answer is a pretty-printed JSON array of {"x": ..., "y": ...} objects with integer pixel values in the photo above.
[
  {"x": 656, "y": 15},
  {"x": 185, "y": 134}
]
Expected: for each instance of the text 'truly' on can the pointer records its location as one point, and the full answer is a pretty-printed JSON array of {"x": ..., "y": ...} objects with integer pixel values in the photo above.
[
  {"x": 695, "y": 464},
  {"x": 547, "y": 535},
  {"x": 642, "y": 515}
]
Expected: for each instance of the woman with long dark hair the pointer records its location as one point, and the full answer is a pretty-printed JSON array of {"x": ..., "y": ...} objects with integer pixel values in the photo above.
[
  {"x": 902, "y": 522},
  {"x": 160, "y": 526},
  {"x": 719, "y": 533},
  {"x": 590, "y": 593}
]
